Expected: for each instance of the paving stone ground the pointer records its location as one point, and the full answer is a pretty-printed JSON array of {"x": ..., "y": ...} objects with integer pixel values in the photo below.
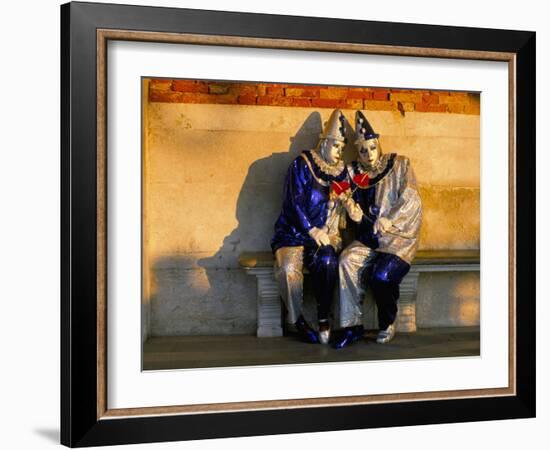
[{"x": 185, "y": 352}]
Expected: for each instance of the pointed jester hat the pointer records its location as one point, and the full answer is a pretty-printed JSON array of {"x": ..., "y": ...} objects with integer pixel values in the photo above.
[
  {"x": 363, "y": 129},
  {"x": 335, "y": 127}
]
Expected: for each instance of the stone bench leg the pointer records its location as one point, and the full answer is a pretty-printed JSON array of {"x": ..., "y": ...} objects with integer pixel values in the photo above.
[{"x": 268, "y": 302}]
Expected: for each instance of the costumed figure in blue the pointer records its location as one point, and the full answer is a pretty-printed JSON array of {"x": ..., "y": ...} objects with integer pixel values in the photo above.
[
  {"x": 307, "y": 232},
  {"x": 385, "y": 205}
]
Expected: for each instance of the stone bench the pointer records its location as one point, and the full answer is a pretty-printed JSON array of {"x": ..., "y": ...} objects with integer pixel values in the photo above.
[{"x": 260, "y": 265}]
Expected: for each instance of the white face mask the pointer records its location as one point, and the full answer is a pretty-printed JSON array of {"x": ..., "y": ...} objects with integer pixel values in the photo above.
[
  {"x": 369, "y": 152},
  {"x": 332, "y": 150}
]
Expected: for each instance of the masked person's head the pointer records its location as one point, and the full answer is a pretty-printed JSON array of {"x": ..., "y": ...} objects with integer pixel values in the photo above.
[
  {"x": 332, "y": 150},
  {"x": 333, "y": 138},
  {"x": 367, "y": 143},
  {"x": 369, "y": 151}
]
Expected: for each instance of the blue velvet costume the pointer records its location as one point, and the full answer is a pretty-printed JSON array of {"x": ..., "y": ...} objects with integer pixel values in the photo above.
[
  {"x": 306, "y": 204},
  {"x": 366, "y": 199}
]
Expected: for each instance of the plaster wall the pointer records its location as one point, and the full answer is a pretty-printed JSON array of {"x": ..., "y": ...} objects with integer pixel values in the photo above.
[{"x": 213, "y": 179}]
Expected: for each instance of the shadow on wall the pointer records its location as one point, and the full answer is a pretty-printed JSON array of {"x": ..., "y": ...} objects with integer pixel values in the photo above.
[
  {"x": 197, "y": 295},
  {"x": 260, "y": 198}
]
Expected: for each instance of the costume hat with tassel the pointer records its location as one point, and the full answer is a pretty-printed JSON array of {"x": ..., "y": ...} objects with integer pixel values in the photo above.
[
  {"x": 335, "y": 127},
  {"x": 363, "y": 129}
]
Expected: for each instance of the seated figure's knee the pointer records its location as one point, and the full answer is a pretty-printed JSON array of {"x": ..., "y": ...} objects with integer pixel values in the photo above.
[
  {"x": 288, "y": 263},
  {"x": 344, "y": 257},
  {"x": 384, "y": 277},
  {"x": 390, "y": 270},
  {"x": 356, "y": 254},
  {"x": 327, "y": 258},
  {"x": 291, "y": 267},
  {"x": 380, "y": 277}
]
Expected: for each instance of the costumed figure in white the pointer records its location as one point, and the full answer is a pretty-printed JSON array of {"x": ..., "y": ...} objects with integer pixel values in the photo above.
[
  {"x": 307, "y": 232},
  {"x": 385, "y": 205}
]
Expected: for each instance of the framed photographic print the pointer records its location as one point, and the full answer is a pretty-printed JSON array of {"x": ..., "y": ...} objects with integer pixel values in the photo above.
[{"x": 277, "y": 224}]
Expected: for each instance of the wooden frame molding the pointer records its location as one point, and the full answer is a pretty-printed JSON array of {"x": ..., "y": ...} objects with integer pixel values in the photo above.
[
  {"x": 103, "y": 36},
  {"x": 86, "y": 418}
]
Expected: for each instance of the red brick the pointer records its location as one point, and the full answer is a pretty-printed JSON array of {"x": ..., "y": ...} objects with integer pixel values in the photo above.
[
  {"x": 430, "y": 98},
  {"x": 406, "y": 97},
  {"x": 380, "y": 105},
  {"x": 221, "y": 99},
  {"x": 268, "y": 100},
  {"x": 472, "y": 108},
  {"x": 459, "y": 94},
  {"x": 453, "y": 99},
  {"x": 359, "y": 94},
  {"x": 165, "y": 96},
  {"x": 405, "y": 106},
  {"x": 455, "y": 108},
  {"x": 218, "y": 89},
  {"x": 276, "y": 91},
  {"x": 224, "y": 99},
  {"x": 354, "y": 103},
  {"x": 380, "y": 95},
  {"x": 333, "y": 93},
  {"x": 262, "y": 87},
  {"x": 427, "y": 107},
  {"x": 190, "y": 86},
  {"x": 281, "y": 85},
  {"x": 301, "y": 101},
  {"x": 246, "y": 99},
  {"x": 328, "y": 103},
  {"x": 295, "y": 86},
  {"x": 243, "y": 89},
  {"x": 160, "y": 85},
  {"x": 190, "y": 97},
  {"x": 302, "y": 92}
]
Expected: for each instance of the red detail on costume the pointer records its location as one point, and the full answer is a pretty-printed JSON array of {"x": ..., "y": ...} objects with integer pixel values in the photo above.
[
  {"x": 339, "y": 188},
  {"x": 361, "y": 180}
]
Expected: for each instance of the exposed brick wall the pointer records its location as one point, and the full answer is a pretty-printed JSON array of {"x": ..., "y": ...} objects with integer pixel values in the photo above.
[{"x": 377, "y": 99}]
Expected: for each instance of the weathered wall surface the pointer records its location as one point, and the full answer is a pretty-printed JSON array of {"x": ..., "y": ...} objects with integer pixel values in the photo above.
[
  {"x": 448, "y": 299},
  {"x": 213, "y": 177}
]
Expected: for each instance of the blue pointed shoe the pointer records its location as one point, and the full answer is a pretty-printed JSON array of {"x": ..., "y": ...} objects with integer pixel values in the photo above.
[
  {"x": 351, "y": 334},
  {"x": 305, "y": 332}
]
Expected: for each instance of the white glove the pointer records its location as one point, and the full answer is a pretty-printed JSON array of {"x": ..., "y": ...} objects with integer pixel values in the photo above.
[
  {"x": 382, "y": 225},
  {"x": 354, "y": 210},
  {"x": 319, "y": 236}
]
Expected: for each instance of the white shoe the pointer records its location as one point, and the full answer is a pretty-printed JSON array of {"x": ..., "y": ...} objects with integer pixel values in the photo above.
[
  {"x": 324, "y": 336},
  {"x": 385, "y": 336}
]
